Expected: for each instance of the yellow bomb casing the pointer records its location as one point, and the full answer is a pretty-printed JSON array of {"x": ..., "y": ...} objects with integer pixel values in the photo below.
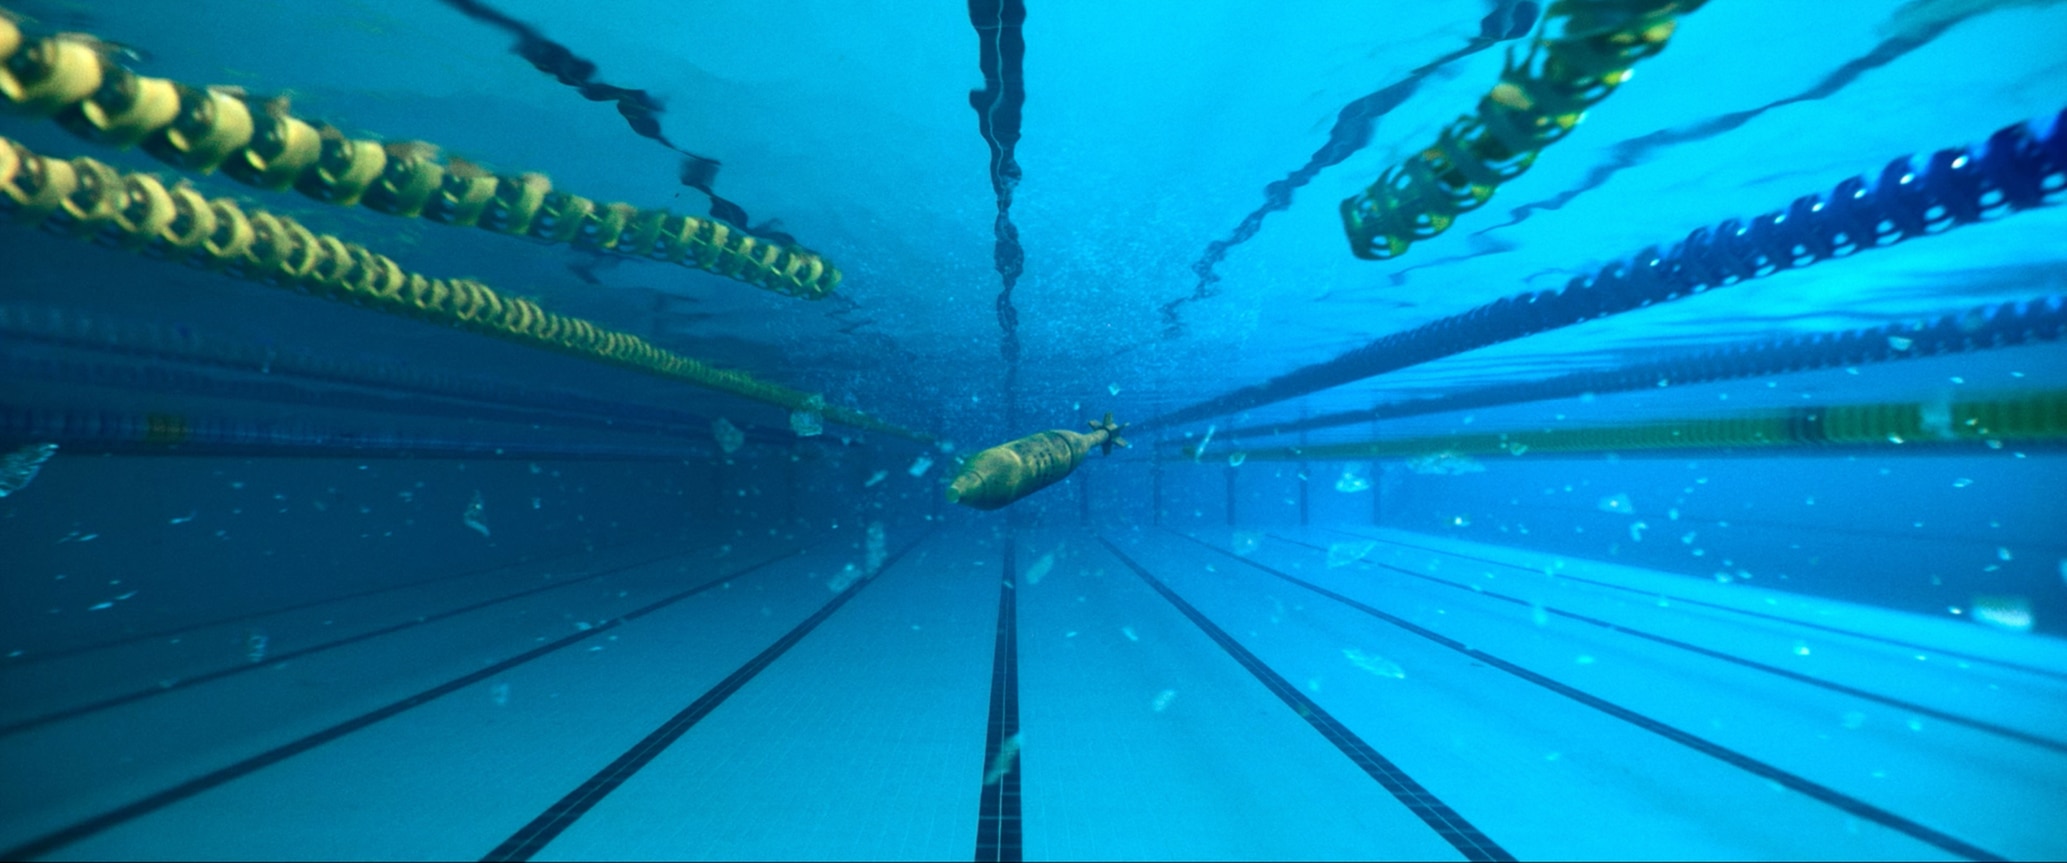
[{"x": 1005, "y": 473}]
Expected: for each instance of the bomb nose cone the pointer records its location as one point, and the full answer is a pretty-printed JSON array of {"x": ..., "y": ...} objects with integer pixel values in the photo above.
[{"x": 962, "y": 486}]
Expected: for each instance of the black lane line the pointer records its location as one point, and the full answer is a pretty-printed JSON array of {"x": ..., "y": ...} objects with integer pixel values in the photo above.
[
  {"x": 1818, "y": 791},
  {"x": 157, "y": 689},
  {"x": 2028, "y": 669},
  {"x": 1467, "y": 839},
  {"x": 533, "y": 837},
  {"x": 52, "y": 841},
  {"x": 34, "y": 658},
  {"x": 998, "y": 825},
  {"x": 1891, "y": 701}
]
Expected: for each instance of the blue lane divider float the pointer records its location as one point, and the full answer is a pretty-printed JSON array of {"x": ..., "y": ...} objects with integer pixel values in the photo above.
[{"x": 2019, "y": 168}]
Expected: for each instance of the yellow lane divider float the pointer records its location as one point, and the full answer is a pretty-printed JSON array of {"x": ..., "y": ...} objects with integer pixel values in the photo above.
[
  {"x": 2033, "y": 418},
  {"x": 137, "y": 212},
  {"x": 201, "y": 129},
  {"x": 1537, "y": 102}
]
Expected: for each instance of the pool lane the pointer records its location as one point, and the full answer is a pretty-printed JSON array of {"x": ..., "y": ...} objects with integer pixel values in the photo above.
[
  {"x": 193, "y": 773},
  {"x": 71, "y": 687},
  {"x": 1994, "y": 793},
  {"x": 861, "y": 741},
  {"x": 1542, "y": 774},
  {"x": 2004, "y": 702},
  {"x": 1145, "y": 740},
  {"x": 1937, "y": 641},
  {"x": 1876, "y": 773},
  {"x": 180, "y": 632}
]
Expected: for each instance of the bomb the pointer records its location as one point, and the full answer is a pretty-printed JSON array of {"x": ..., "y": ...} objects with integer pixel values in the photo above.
[{"x": 1007, "y": 472}]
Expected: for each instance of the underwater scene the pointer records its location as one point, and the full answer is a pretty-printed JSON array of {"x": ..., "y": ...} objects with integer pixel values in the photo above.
[{"x": 1033, "y": 430}]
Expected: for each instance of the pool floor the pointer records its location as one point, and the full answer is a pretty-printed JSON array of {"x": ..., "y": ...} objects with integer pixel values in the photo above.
[{"x": 1304, "y": 693}]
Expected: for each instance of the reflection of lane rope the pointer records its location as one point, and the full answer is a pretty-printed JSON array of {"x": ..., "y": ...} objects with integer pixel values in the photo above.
[
  {"x": 997, "y": 106},
  {"x": 1910, "y": 36},
  {"x": 1354, "y": 124},
  {"x": 1584, "y": 53},
  {"x": 640, "y": 109}
]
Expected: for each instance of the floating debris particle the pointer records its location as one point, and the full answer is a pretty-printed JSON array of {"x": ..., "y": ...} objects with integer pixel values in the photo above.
[
  {"x": 1040, "y": 568},
  {"x": 1374, "y": 663},
  {"x": 1200, "y": 452},
  {"x": 1617, "y": 503},
  {"x": 1247, "y": 542},
  {"x": 730, "y": 438},
  {"x": 806, "y": 421},
  {"x": 843, "y": 579},
  {"x": 1636, "y": 531},
  {"x": 255, "y": 643},
  {"x": 1350, "y": 481},
  {"x": 1163, "y": 699},
  {"x": 1001, "y": 763},
  {"x": 1235, "y": 459},
  {"x": 1899, "y": 343},
  {"x": 500, "y": 694},
  {"x": 19, "y": 467},
  {"x": 1128, "y": 631},
  {"x": 1113, "y": 388},
  {"x": 876, "y": 478},
  {"x": 920, "y": 465},
  {"x": 1445, "y": 463},
  {"x": 1342, "y": 554},
  {"x": 878, "y": 547},
  {"x": 2012, "y": 613},
  {"x": 476, "y": 515},
  {"x": 1539, "y": 615}
]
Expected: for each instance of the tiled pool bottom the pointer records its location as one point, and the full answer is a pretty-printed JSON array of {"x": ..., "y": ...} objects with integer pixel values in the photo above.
[{"x": 1140, "y": 695}]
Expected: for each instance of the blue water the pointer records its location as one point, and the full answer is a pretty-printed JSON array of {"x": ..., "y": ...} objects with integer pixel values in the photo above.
[{"x": 1377, "y": 579}]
